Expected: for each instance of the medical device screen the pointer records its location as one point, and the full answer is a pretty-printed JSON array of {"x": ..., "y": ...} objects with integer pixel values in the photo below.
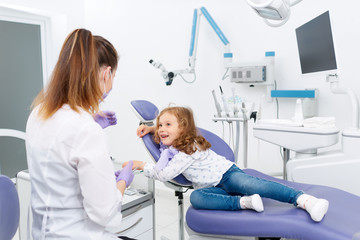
[{"x": 315, "y": 45}]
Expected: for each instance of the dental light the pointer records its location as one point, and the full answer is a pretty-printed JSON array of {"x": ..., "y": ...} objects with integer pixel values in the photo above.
[{"x": 277, "y": 10}]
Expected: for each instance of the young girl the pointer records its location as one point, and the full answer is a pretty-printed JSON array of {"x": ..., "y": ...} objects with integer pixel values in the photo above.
[{"x": 219, "y": 184}]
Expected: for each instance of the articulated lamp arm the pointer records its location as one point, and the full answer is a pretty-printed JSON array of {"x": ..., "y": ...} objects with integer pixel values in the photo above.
[
  {"x": 170, "y": 75},
  {"x": 227, "y": 51}
]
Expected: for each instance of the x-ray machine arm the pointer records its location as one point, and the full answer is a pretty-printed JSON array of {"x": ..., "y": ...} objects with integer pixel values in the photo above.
[
  {"x": 195, "y": 32},
  {"x": 170, "y": 75}
]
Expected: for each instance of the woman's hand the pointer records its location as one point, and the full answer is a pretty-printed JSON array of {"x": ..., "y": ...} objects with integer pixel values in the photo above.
[
  {"x": 124, "y": 177},
  {"x": 142, "y": 130},
  {"x": 125, "y": 174},
  {"x": 105, "y": 118},
  {"x": 139, "y": 165}
]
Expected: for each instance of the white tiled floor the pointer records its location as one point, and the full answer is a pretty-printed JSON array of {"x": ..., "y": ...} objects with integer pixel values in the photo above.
[{"x": 166, "y": 215}]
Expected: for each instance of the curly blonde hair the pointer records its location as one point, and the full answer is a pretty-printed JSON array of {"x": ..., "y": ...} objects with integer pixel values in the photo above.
[{"x": 189, "y": 140}]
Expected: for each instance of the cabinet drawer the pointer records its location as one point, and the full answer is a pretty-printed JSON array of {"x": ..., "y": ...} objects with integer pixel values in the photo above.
[{"x": 136, "y": 223}]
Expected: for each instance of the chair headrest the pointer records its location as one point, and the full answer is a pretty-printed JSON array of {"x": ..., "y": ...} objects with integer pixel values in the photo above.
[{"x": 145, "y": 110}]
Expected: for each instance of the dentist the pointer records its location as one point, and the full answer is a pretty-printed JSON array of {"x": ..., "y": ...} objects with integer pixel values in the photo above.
[{"x": 74, "y": 192}]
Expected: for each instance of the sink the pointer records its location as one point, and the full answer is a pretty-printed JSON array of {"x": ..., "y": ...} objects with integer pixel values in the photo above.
[{"x": 298, "y": 139}]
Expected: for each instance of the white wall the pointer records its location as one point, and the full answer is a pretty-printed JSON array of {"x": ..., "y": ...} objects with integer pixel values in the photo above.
[{"x": 160, "y": 29}]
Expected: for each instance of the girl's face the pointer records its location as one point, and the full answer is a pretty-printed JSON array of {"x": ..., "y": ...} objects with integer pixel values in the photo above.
[{"x": 168, "y": 128}]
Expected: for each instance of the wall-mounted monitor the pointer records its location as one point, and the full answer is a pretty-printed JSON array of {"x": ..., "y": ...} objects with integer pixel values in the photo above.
[{"x": 316, "y": 46}]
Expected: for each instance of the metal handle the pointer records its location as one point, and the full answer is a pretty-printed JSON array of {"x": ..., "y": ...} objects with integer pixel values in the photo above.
[
  {"x": 132, "y": 226},
  {"x": 134, "y": 211}
]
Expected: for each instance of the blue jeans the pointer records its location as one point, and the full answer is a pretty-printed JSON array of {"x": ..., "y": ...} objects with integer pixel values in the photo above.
[{"x": 236, "y": 183}]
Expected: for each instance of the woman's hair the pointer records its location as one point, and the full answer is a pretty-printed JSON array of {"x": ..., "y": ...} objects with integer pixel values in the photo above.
[
  {"x": 188, "y": 140},
  {"x": 75, "y": 79}
]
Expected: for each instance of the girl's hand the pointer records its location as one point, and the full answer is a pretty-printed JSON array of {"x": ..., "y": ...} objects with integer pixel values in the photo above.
[
  {"x": 142, "y": 130},
  {"x": 139, "y": 165}
]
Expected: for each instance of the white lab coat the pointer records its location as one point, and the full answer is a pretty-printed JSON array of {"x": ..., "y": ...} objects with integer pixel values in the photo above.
[{"x": 74, "y": 194}]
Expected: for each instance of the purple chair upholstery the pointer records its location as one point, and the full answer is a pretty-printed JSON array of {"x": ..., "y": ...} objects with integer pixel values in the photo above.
[
  {"x": 145, "y": 109},
  {"x": 9, "y": 208},
  {"x": 341, "y": 222}
]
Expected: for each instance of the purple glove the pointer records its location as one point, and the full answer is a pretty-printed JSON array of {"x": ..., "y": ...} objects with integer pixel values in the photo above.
[
  {"x": 125, "y": 174},
  {"x": 105, "y": 118},
  {"x": 165, "y": 156}
]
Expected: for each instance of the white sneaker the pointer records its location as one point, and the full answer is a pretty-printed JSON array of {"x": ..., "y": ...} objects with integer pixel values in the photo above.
[
  {"x": 252, "y": 202},
  {"x": 316, "y": 207},
  {"x": 319, "y": 210}
]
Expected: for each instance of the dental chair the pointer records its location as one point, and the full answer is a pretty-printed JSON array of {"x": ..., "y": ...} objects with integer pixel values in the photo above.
[
  {"x": 9, "y": 208},
  {"x": 281, "y": 220}
]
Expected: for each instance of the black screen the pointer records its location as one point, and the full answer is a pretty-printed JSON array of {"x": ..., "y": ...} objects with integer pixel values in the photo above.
[{"x": 316, "y": 46}]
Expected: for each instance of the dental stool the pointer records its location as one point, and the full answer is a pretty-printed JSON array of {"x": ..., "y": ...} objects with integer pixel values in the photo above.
[
  {"x": 9, "y": 208},
  {"x": 342, "y": 221}
]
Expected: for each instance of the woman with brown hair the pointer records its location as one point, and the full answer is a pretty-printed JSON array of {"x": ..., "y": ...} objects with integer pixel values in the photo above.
[{"x": 75, "y": 194}]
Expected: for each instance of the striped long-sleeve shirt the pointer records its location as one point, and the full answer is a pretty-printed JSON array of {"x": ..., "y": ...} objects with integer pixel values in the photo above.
[{"x": 202, "y": 168}]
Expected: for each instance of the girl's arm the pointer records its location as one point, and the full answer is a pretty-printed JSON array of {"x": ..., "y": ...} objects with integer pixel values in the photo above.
[
  {"x": 142, "y": 130},
  {"x": 176, "y": 166},
  {"x": 180, "y": 163},
  {"x": 138, "y": 165}
]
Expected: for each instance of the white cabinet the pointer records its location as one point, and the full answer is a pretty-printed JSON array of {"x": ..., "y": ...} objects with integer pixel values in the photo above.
[
  {"x": 137, "y": 222},
  {"x": 138, "y": 209}
]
